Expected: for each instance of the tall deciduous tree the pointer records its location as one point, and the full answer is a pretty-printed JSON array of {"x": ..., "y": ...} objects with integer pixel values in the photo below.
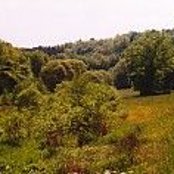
[{"x": 150, "y": 60}]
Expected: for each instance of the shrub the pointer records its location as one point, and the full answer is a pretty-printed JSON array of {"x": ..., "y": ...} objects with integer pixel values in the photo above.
[
  {"x": 29, "y": 98},
  {"x": 37, "y": 60},
  {"x": 99, "y": 76},
  {"x": 57, "y": 71},
  {"x": 7, "y": 82},
  {"x": 15, "y": 128},
  {"x": 91, "y": 105}
]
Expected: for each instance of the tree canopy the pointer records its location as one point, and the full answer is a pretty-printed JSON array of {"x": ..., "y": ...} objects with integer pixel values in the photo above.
[
  {"x": 57, "y": 71},
  {"x": 150, "y": 60}
]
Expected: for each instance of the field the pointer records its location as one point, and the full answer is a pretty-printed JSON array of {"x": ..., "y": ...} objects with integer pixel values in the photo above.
[{"x": 154, "y": 115}]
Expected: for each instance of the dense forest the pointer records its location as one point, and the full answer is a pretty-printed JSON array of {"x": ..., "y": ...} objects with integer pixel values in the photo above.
[{"x": 69, "y": 108}]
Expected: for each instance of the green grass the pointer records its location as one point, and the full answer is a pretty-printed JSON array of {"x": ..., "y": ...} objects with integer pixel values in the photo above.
[
  {"x": 155, "y": 116},
  {"x": 142, "y": 109}
]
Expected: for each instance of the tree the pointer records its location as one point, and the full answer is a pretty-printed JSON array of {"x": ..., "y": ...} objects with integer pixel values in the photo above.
[
  {"x": 13, "y": 67},
  {"x": 120, "y": 75},
  {"x": 37, "y": 60},
  {"x": 120, "y": 43},
  {"x": 57, "y": 71},
  {"x": 150, "y": 60}
]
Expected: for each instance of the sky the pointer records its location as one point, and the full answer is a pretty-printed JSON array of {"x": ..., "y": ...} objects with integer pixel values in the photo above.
[{"x": 29, "y": 23}]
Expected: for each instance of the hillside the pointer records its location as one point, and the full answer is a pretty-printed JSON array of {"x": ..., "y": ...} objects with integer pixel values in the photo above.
[
  {"x": 153, "y": 152},
  {"x": 94, "y": 107}
]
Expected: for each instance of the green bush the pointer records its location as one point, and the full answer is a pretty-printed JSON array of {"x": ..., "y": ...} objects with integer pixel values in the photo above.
[
  {"x": 79, "y": 109},
  {"x": 99, "y": 76},
  {"x": 29, "y": 98},
  {"x": 14, "y": 127},
  {"x": 57, "y": 71}
]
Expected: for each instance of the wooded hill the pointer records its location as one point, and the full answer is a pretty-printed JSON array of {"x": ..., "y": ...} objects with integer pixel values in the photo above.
[{"x": 61, "y": 111}]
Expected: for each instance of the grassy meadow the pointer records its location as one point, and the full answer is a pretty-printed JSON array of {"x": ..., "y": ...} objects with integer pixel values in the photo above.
[{"x": 154, "y": 114}]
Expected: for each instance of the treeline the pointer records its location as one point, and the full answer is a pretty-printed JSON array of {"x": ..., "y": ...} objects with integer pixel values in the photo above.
[{"x": 143, "y": 61}]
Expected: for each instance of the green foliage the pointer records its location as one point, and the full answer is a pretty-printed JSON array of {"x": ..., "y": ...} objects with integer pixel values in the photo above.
[
  {"x": 121, "y": 42},
  {"x": 13, "y": 67},
  {"x": 81, "y": 109},
  {"x": 100, "y": 76},
  {"x": 8, "y": 54},
  {"x": 150, "y": 60},
  {"x": 120, "y": 75},
  {"x": 29, "y": 98},
  {"x": 14, "y": 128},
  {"x": 57, "y": 71},
  {"x": 37, "y": 60},
  {"x": 83, "y": 127},
  {"x": 7, "y": 82}
]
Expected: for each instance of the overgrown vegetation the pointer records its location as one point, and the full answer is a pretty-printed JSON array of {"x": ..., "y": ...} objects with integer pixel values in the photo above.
[{"x": 61, "y": 110}]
